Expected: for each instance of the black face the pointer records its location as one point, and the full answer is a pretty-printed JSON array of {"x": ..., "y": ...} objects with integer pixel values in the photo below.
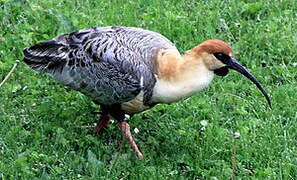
[
  {"x": 224, "y": 59},
  {"x": 232, "y": 63},
  {"x": 223, "y": 71}
]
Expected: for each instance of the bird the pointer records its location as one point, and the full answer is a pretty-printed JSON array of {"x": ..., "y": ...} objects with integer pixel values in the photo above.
[{"x": 127, "y": 70}]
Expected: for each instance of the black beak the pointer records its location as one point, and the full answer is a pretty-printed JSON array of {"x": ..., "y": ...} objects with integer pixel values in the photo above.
[{"x": 234, "y": 64}]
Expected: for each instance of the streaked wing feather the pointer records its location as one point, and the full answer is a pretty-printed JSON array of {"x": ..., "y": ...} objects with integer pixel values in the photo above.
[{"x": 106, "y": 63}]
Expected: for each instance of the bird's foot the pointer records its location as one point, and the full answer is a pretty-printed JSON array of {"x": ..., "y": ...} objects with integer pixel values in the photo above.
[
  {"x": 126, "y": 130},
  {"x": 102, "y": 123}
]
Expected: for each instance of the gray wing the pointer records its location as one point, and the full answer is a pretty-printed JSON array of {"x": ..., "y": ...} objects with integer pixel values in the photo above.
[{"x": 109, "y": 64}]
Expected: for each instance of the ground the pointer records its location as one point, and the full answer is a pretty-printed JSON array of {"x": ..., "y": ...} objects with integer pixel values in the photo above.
[{"x": 226, "y": 131}]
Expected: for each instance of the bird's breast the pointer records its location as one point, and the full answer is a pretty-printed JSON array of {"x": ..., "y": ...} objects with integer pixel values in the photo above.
[{"x": 168, "y": 91}]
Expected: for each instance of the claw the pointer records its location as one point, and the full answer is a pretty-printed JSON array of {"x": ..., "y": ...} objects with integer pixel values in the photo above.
[
  {"x": 126, "y": 130},
  {"x": 97, "y": 112}
]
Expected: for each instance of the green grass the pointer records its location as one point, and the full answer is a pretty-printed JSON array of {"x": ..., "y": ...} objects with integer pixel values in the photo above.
[{"x": 43, "y": 130}]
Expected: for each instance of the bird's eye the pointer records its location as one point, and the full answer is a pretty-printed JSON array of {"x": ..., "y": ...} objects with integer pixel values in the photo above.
[{"x": 222, "y": 57}]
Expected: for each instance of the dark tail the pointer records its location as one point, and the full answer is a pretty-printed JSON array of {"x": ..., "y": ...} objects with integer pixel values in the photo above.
[{"x": 46, "y": 56}]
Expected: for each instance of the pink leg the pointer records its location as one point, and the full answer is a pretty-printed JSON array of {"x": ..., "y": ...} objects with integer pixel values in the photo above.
[
  {"x": 102, "y": 123},
  {"x": 126, "y": 130}
]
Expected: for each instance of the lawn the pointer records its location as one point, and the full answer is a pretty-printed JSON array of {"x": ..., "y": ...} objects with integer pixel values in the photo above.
[{"x": 226, "y": 131}]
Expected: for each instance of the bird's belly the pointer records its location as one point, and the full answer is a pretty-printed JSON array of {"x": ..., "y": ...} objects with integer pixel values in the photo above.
[{"x": 135, "y": 105}]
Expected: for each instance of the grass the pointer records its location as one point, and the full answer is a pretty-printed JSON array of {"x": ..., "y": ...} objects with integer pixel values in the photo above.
[{"x": 43, "y": 130}]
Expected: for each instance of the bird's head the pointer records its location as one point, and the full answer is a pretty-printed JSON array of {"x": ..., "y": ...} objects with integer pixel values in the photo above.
[{"x": 217, "y": 56}]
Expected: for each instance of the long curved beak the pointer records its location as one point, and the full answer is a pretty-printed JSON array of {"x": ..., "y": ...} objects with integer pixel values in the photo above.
[{"x": 234, "y": 64}]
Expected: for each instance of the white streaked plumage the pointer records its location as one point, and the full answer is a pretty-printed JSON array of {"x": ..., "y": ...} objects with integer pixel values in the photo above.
[{"x": 105, "y": 63}]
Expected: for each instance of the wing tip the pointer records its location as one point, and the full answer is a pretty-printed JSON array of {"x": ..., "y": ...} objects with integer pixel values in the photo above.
[{"x": 44, "y": 55}]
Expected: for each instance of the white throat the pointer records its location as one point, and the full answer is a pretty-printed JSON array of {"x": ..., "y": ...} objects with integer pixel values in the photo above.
[{"x": 166, "y": 91}]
